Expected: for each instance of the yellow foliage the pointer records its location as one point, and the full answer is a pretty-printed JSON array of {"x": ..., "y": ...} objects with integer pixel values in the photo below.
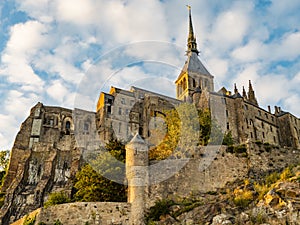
[{"x": 243, "y": 197}]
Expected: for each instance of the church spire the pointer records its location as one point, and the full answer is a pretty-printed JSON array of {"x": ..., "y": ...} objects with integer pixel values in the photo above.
[
  {"x": 192, "y": 44},
  {"x": 244, "y": 93},
  {"x": 251, "y": 94},
  {"x": 235, "y": 89}
]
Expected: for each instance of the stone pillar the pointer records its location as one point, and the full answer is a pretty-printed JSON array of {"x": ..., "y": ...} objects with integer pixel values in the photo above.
[{"x": 137, "y": 176}]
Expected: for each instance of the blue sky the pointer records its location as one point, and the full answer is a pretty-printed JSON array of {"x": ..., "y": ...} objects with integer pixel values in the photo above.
[{"x": 64, "y": 52}]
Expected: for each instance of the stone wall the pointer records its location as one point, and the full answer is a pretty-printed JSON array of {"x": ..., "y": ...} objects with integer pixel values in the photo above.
[
  {"x": 83, "y": 213},
  {"x": 223, "y": 167},
  {"x": 211, "y": 170}
]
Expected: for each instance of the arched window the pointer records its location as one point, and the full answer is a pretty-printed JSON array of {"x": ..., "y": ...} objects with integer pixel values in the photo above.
[{"x": 68, "y": 127}]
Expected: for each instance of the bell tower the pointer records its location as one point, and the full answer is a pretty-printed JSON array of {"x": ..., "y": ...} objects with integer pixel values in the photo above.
[{"x": 193, "y": 74}]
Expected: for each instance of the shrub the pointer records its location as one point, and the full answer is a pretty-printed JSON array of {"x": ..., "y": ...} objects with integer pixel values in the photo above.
[
  {"x": 259, "y": 143},
  {"x": 57, "y": 198},
  {"x": 160, "y": 208},
  {"x": 272, "y": 178},
  {"x": 261, "y": 190},
  {"x": 228, "y": 140},
  {"x": 240, "y": 148},
  {"x": 243, "y": 198},
  {"x": 29, "y": 220},
  {"x": 230, "y": 149},
  {"x": 259, "y": 217},
  {"x": 286, "y": 174},
  {"x": 57, "y": 222}
]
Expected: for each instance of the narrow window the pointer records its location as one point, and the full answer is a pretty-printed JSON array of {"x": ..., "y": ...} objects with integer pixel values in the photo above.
[
  {"x": 120, "y": 125},
  {"x": 120, "y": 111},
  {"x": 68, "y": 127},
  {"x": 86, "y": 126},
  {"x": 194, "y": 83},
  {"x": 123, "y": 101}
]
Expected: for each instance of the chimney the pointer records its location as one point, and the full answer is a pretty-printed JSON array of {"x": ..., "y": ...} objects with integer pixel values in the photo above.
[
  {"x": 269, "y": 109},
  {"x": 276, "y": 110}
]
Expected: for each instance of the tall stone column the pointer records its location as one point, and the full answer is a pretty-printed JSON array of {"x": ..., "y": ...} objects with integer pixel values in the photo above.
[{"x": 137, "y": 176}]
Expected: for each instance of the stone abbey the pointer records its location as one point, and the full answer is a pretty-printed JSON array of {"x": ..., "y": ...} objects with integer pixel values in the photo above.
[
  {"x": 49, "y": 148},
  {"x": 245, "y": 119}
]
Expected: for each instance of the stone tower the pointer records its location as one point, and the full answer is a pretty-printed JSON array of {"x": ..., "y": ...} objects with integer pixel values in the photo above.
[
  {"x": 137, "y": 176},
  {"x": 193, "y": 73}
]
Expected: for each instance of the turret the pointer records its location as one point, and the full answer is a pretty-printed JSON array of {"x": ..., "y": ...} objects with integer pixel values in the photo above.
[{"x": 137, "y": 176}]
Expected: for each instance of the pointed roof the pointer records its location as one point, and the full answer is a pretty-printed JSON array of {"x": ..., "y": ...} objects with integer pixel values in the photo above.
[
  {"x": 137, "y": 139},
  {"x": 193, "y": 65}
]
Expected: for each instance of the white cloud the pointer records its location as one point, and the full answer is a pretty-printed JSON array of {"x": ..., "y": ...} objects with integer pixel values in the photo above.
[
  {"x": 8, "y": 129},
  {"x": 250, "y": 52},
  {"x": 25, "y": 40},
  {"x": 231, "y": 26},
  {"x": 288, "y": 48},
  {"x": 38, "y": 9},
  {"x": 292, "y": 103},
  {"x": 18, "y": 104},
  {"x": 272, "y": 88},
  {"x": 249, "y": 72},
  {"x": 218, "y": 67},
  {"x": 57, "y": 91},
  {"x": 76, "y": 11}
]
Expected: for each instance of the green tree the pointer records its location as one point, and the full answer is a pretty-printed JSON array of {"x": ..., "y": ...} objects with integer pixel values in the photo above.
[
  {"x": 4, "y": 162},
  {"x": 4, "y": 159},
  {"x": 228, "y": 140},
  {"x": 95, "y": 181},
  {"x": 187, "y": 127},
  {"x": 57, "y": 198}
]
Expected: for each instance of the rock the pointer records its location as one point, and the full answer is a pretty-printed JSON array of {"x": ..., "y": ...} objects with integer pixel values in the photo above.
[
  {"x": 273, "y": 199},
  {"x": 221, "y": 219}
]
